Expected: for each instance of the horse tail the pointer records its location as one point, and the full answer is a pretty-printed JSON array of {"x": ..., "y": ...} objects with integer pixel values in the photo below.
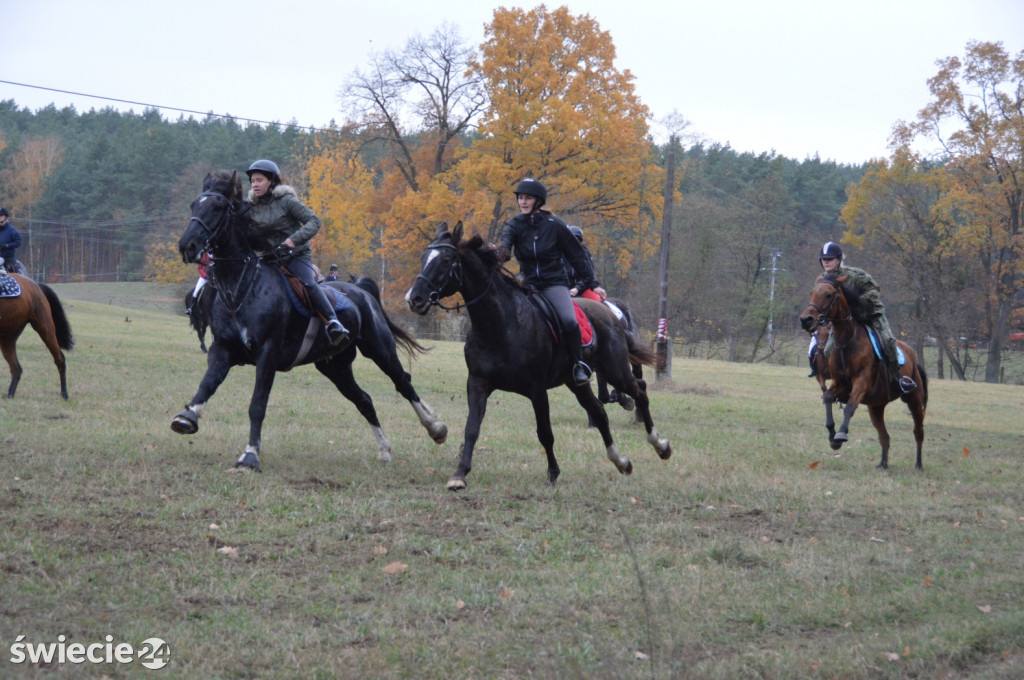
[
  {"x": 639, "y": 353},
  {"x": 402, "y": 337},
  {"x": 924, "y": 383},
  {"x": 65, "y": 339}
]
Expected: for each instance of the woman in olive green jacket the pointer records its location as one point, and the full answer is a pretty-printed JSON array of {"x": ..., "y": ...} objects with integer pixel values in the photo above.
[{"x": 282, "y": 226}]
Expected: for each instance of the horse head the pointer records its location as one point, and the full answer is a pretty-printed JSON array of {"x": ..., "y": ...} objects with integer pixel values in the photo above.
[
  {"x": 828, "y": 303},
  {"x": 440, "y": 270},
  {"x": 212, "y": 212}
]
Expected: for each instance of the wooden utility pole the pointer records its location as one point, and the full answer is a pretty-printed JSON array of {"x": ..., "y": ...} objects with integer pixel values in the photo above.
[{"x": 663, "y": 353}]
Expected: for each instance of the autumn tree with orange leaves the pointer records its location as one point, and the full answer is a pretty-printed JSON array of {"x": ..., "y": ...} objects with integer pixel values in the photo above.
[
  {"x": 562, "y": 113},
  {"x": 976, "y": 116}
]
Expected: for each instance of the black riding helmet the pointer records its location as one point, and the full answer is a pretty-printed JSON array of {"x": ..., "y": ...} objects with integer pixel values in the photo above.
[
  {"x": 577, "y": 232},
  {"x": 3, "y": 211},
  {"x": 268, "y": 168},
  {"x": 830, "y": 249},
  {"x": 532, "y": 187}
]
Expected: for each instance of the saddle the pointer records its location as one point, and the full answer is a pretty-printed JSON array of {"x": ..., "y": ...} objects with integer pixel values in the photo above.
[
  {"x": 300, "y": 298},
  {"x": 876, "y": 345},
  {"x": 9, "y": 288},
  {"x": 586, "y": 330}
]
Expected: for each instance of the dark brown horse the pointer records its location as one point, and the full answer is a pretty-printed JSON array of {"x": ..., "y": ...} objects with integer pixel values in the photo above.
[
  {"x": 510, "y": 347},
  {"x": 36, "y": 305},
  {"x": 858, "y": 376}
]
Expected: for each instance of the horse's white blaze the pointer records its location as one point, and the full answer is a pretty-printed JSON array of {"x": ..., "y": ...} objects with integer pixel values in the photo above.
[{"x": 383, "y": 446}]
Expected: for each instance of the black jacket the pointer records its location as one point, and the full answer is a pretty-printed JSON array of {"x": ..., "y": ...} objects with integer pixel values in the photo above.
[{"x": 540, "y": 241}]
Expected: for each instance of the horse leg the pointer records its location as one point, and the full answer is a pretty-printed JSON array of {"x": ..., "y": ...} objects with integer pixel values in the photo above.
[
  {"x": 339, "y": 371},
  {"x": 265, "y": 375},
  {"x": 598, "y": 416},
  {"x": 877, "y": 413},
  {"x": 917, "y": 407},
  {"x": 830, "y": 424},
  {"x": 388, "y": 362},
  {"x": 625, "y": 382},
  {"x": 46, "y": 330},
  {"x": 218, "y": 363},
  {"x": 542, "y": 413},
  {"x": 477, "y": 391},
  {"x": 11, "y": 355}
]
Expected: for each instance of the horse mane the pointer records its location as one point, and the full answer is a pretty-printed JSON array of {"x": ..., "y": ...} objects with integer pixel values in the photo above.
[
  {"x": 227, "y": 183},
  {"x": 488, "y": 257},
  {"x": 851, "y": 294}
]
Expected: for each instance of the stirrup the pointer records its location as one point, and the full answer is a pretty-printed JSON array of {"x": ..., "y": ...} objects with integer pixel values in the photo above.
[
  {"x": 336, "y": 332},
  {"x": 581, "y": 374},
  {"x": 907, "y": 384}
]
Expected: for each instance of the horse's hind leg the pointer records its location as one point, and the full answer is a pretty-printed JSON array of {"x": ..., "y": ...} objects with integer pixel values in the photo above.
[
  {"x": 598, "y": 416},
  {"x": 877, "y": 413},
  {"x": 637, "y": 389},
  {"x": 917, "y": 413},
  {"x": 46, "y": 330},
  {"x": 388, "y": 362},
  {"x": 339, "y": 370},
  {"x": 11, "y": 355}
]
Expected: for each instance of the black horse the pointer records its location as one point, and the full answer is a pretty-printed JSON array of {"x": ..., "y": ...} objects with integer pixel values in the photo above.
[
  {"x": 254, "y": 321},
  {"x": 630, "y": 325},
  {"x": 510, "y": 346}
]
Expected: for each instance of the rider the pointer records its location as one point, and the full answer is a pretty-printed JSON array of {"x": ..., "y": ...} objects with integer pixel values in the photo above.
[
  {"x": 540, "y": 241},
  {"x": 10, "y": 240},
  {"x": 332, "y": 274},
  {"x": 869, "y": 310},
  {"x": 578, "y": 288},
  {"x": 285, "y": 225}
]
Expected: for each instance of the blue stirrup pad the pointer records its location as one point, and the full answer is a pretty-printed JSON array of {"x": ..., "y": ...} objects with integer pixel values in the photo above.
[{"x": 900, "y": 359}]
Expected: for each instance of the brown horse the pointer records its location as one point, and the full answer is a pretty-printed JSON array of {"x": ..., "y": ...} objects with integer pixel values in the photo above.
[
  {"x": 39, "y": 306},
  {"x": 858, "y": 377}
]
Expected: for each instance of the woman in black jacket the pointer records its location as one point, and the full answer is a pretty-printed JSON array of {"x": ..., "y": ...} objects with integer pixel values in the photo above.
[{"x": 540, "y": 241}]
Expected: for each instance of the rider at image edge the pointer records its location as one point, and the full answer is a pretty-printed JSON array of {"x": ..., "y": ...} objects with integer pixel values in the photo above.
[
  {"x": 10, "y": 240},
  {"x": 870, "y": 311},
  {"x": 540, "y": 241},
  {"x": 284, "y": 225}
]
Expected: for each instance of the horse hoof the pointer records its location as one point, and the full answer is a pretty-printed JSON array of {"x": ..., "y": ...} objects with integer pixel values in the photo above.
[
  {"x": 836, "y": 445},
  {"x": 249, "y": 460},
  {"x": 439, "y": 433},
  {"x": 627, "y": 403},
  {"x": 627, "y": 469},
  {"x": 666, "y": 452},
  {"x": 456, "y": 484},
  {"x": 185, "y": 423},
  {"x": 840, "y": 437}
]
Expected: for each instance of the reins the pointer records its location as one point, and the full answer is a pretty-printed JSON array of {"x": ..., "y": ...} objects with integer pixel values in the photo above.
[{"x": 454, "y": 273}]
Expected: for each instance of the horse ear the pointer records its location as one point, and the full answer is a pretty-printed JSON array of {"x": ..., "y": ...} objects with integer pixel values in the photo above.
[
  {"x": 457, "y": 232},
  {"x": 441, "y": 229},
  {"x": 207, "y": 181}
]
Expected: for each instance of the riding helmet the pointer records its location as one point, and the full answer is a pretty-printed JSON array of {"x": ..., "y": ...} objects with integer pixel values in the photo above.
[
  {"x": 577, "y": 232},
  {"x": 266, "y": 167},
  {"x": 3, "y": 211},
  {"x": 532, "y": 187},
  {"x": 831, "y": 249},
  {"x": 334, "y": 267}
]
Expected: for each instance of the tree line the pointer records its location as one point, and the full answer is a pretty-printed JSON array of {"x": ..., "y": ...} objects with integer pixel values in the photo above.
[{"x": 439, "y": 130}]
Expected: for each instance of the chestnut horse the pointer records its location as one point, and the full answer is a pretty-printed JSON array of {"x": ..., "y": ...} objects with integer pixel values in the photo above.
[
  {"x": 38, "y": 305},
  {"x": 858, "y": 376}
]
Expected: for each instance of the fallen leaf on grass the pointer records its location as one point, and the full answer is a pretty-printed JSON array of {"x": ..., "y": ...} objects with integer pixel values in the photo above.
[
  {"x": 928, "y": 581},
  {"x": 892, "y": 656},
  {"x": 506, "y": 593},
  {"x": 906, "y": 651},
  {"x": 380, "y": 550},
  {"x": 395, "y": 568},
  {"x": 228, "y": 551},
  {"x": 214, "y": 527},
  {"x": 967, "y": 452},
  {"x": 980, "y": 515},
  {"x": 640, "y": 656},
  {"x": 815, "y": 464},
  {"x": 460, "y": 604},
  {"x": 984, "y": 608}
]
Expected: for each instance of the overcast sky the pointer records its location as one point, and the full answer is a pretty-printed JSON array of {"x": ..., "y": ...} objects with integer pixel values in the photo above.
[{"x": 799, "y": 78}]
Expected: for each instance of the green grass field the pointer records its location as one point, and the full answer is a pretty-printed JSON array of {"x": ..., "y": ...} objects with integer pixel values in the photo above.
[{"x": 754, "y": 552}]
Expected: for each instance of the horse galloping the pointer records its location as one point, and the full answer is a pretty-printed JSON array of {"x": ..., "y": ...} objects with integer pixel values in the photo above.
[
  {"x": 35, "y": 304},
  {"x": 858, "y": 377},
  {"x": 510, "y": 347},
  {"x": 254, "y": 320}
]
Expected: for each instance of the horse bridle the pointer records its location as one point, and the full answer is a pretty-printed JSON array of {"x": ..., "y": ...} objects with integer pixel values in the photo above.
[
  {"x": 454, "y": 274},
  {"x": 231, "y": 299},
  {"x": 221, "y": 222},
  {"x": 823, "y": 313}
]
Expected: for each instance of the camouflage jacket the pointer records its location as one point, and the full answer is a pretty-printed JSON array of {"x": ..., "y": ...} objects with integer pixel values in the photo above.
[
  {"x": 869, "y": 297},
  {"x": 279, "y": 216}
]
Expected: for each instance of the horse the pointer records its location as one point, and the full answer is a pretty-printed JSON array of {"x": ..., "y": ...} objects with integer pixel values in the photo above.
[
  {"x": 254, "y": 321},
  {"x": 197, "y": 309},
  {"x": 27, "y": 302},
  {"x": 857, "y": 376},
  {"x": 630, "y": 325},
  {"x": 510, "y": 346}
]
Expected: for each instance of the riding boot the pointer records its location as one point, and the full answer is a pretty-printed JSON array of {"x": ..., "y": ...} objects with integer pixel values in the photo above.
[
  {"x": 580, "y": 370},
  {"x": 814, "y": 366},
  {"x": 336, "y": 331}
]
